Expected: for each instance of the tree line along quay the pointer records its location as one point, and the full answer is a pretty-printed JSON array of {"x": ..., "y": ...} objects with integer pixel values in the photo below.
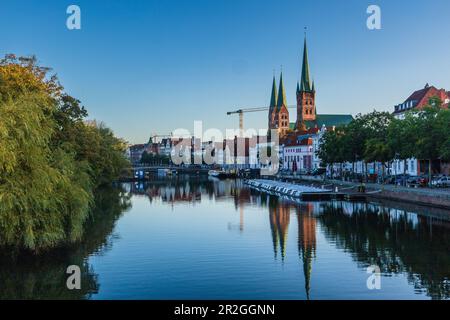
[
  {"x": 381, "y": 137},
  {"x": 52, "y": 160}
]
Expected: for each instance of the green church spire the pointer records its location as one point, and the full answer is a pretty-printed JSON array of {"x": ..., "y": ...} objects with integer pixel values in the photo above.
[
  {"x": 273, "y": 98},
  {"x": 281, "y": 94},
  {"x": 305, "y": 83}
]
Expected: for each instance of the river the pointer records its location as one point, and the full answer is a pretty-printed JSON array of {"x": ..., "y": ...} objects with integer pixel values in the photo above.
[{"x": 197, "y": 238}]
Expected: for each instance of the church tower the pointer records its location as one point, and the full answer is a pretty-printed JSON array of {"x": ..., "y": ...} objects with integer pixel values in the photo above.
[
  {"x": 282, "y": 116},
  {"x": 273, "y": 106},
  {"x": 306, "y": 95}
]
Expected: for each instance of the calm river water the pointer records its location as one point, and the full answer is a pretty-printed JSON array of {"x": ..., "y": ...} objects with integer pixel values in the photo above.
[{"x": 194, "y": 238}]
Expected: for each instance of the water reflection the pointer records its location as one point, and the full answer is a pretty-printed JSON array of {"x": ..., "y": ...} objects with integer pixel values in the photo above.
[
  {"x": 396, "y": 240},
  {"x": 23, "y": 276},
  {"x": 412, "y": 241},
  {"x": 402, "y": 240}
]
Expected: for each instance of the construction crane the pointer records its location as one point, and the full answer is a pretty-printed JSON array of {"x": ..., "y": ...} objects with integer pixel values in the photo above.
[{"x": 241, "y": 112}]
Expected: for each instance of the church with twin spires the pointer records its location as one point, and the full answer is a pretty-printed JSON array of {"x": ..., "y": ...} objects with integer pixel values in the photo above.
[{"x": 307, "y": 117}]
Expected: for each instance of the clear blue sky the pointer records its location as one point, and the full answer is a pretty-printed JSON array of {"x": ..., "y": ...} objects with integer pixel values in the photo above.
[{"x": 153, "y": 66}]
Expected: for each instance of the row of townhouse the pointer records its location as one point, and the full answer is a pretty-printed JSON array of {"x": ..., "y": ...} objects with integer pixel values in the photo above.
[{"x": 163, "y": 147}]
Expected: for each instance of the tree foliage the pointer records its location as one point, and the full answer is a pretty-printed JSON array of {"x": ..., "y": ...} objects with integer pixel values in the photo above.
[
  {"x": 379, "y": 137},
  {"x": 50, "y": 159}
]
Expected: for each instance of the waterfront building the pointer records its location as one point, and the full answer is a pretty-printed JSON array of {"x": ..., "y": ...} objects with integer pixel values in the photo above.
[
  {"x": 165, "y": 147},
  {"x": 298, "y": 156},
  {"x": 135, "y": 152},
  {"x": 420, "y": 98},
  {"x": 300, "y": 149},
  {"x": 417, "y": 101}
]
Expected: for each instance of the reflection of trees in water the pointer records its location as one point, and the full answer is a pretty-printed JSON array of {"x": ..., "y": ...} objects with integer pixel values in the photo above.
[
  {"x": 396, "y": 241},
  {"x": 23, "y": 276}
]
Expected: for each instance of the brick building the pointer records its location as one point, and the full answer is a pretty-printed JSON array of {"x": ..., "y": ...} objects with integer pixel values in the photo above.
[
  {"x": 420, "y": 98},
  {"x": 307, "y": 116}
]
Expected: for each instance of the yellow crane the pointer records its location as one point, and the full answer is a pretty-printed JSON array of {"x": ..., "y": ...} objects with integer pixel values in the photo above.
[{"x": 241, "y": 112}]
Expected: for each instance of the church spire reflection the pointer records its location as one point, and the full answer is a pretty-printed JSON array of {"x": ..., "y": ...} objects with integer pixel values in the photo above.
[
  {"x": 306, "y": 241},
  {"x": 279, "y": 216}
]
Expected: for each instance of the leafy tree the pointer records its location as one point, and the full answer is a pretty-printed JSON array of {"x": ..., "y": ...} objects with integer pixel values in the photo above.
[
  {"x": 44, "y": 194},
  {"x": 332, "y": 147},
  {"x": 50, "y": 159},
  {"x": 443, "y": 124},
  {"x": 402, "y": 138},
  {"x": 376, "y": 147},
  {"x": 430, "y": 138},
  {"x": 355, "y": 135}
]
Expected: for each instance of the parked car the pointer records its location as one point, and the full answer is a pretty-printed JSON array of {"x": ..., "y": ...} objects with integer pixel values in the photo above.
[
  {"x": 400, "y": 179},
  {"x": 423, "y": 181},
  {"x": 441, "y": 182},
  {"x": 413, "y": 181}
]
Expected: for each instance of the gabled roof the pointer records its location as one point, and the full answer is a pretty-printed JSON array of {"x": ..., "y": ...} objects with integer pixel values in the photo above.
[
  {"x": 302, "y": 142},
  {"x": 420, "y": 98},
  {"x": 419, "y": 94},
  {"x": 137, "y": 146}
]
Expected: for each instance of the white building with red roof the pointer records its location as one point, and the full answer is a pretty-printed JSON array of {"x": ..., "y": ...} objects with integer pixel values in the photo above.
[
  {"x": 416, "y": 101},
  {"x": 420, "y": 98}
]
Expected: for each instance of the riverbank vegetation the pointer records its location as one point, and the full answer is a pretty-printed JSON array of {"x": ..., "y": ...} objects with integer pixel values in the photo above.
[
  {"x": 51, "y": 159},
  {"x": 380, "y": 137}
]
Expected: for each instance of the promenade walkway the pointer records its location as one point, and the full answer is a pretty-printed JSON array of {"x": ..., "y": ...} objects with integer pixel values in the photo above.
[{"x": 424, "y": 196}]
